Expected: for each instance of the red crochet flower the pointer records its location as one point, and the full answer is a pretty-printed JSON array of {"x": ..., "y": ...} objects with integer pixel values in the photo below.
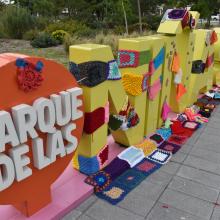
[{"x": 29, "y": 78}]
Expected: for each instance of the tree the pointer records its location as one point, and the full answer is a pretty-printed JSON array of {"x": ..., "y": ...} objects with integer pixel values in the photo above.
[
  {"x": 125, "y": 16},
  {"x": 140, "y": 16}
]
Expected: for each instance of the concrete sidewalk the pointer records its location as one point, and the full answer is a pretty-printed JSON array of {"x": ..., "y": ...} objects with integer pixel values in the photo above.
[{"x": 187, "y": 188}]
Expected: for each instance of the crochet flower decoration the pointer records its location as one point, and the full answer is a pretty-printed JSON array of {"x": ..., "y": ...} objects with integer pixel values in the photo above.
[{"x": 29, "y": 76}]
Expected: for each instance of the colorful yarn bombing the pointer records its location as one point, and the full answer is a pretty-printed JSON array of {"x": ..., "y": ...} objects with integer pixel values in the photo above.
[
  {"x": 103, "y": 155},
  {"x": 209, "y": 61},
  {"x": 132, "y": 58},
  {"x": 154, "y": 90},
  {"x": 198, "y": 67},
  {"x": 159, "y": 59},
  {"x": 171, "y": 147},
  {"x": 127, "y": 118},
  {"x": 124, "y": 179},
  {"x": 94, "y": 120},
  {"x": 157, "y": 138},
  {"x": 29, "y": 75},
  {"x": 135, "y": 84},
  {"x": 132, "y": 155},
  {"x": 128, "y": 58},
  {"x": 99, "y": 180},
  {"x": 90, "y": 73},
  {"x": 160, "y": 156},
  {"x": 113, "y": 71},
  {"x": 147, "y": 146},
  {"x": 88, "y": 165}
]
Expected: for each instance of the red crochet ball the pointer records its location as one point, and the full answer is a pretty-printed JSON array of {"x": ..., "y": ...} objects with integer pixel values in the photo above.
[{"x": 28, "y": 78}]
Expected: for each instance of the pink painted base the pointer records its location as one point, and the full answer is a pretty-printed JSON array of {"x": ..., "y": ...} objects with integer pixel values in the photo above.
[{"x": 68, "y": 192}]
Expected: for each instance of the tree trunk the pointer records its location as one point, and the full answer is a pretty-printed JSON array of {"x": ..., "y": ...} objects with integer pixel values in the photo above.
[
  {"x": 125, "y": 17},
  {"x": 139, "y": 14}
]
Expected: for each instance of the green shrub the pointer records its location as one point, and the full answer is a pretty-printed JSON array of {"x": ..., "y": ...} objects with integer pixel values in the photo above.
[
  {"x": 59, "y": 35},
  {"x": 2, "y": 32},
  {"x": 84, "y": 31},
  {"x": 44, "y": 40},
  {"x": 31, "y": 34},
  {"x": 16, "y": 21}
]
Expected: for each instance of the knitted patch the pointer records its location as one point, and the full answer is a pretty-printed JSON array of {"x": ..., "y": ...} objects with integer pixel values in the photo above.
[
  {"x": 160, "y": 156},
  {"x": 94, "y": 120},
  {"x": 178, "y": 129},
  {"x": 154, "y": 90},
  {"x": 106, "y": 112},
  {"x": 132, "y": 155},
  {"x": 165, "y": 111},
  {"x": 103, "y": 155},
  {"x": 209, "y": 61},
  {"x": 88, "y": 165},
  {"x": 145, "y": 82},
  {"x": 130, "y": 179},
  {"x": 113, "y": 71},
  {"x": 159, "y": 59},
  {"x": 89, "y": 73},
  {"x": 217, "y": 96},
  {"x": 157, "y": 138},
  {"x": 214, "y": 38},
  {"x": 181, "y": 117},
  {"x": 165, "y": 133},
  {"x": 177, "y": 139},
  {"x": 171, "y": 147},
  {"x": 205, "y": 113},
  {"x": 99, "y": 180},
  {"x": 147, "y": 146},
  {"x": 191, "y": 125},
  {"x": 29, "y": 75},
  {"x": 114, "y": 122},
  {"x": 128, "y": 58},
  {"x": 133, "y": 83},
  {"x": 114, "y": 193},
  {"x": 180, "y": 91},
  {"x": 177, "y": 14},
  {"x": 147, "y": 167},
  {"x": 116, "y": 167},
  {"x": 145, "y": 57},
  {"x": 187, "y": 20},
  {"x": 198, "y": 66},
  {"x": 176, "y": 63}
]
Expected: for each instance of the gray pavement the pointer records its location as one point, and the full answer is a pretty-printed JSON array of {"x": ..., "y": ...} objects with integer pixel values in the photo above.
[{"x": 187, "y": 188}]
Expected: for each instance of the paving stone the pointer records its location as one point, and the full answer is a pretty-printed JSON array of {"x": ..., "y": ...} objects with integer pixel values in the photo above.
[
  {"x": 200, "y": 176},
  {"x": 187, "y": 203},
  {"x": 170, "y": 167},
  {"x": 194, "y": 189},
  {"x": 206, "y": 155},
  {"x": 137, "y": 203},
  {"x": 152, "y": 194},
  {"x": 208, "y": 138},
  {"x": 186, "y": 148},
  {"x": 207, "y": 146},
  {"x": 179, "y": 157},
  {"x": 161, "y": 212},
  {"x": 85, "y": 217},
  {"x": 101, "y": 210},
  {"x": 216, "y": 213},
  {"x": 212, "y": 131},
  {"x": 85, "y": 205},
  {"x": 73, "y": 215},
  {"x": 202, "y": 164},
  {"x": 160, "y": 177},
  {"x": 192, "y": 140}
]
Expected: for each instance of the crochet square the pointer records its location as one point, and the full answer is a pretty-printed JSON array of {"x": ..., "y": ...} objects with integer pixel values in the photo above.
[
  {"x": 113, "y": 71},
  {"x": 160, "y": 156},
  {"x": 130, "y": 179},
  {"x": 157, "y": 138},
  {"x": 128, "y": 58},
  {"x": 94, "y": 120},
  {"x": 103, "y": 155},
  {"x": 114, "y": 193},
  {"x": 147, "y": 167},
  {"x": 191, "y": 125},
  {"x": 132, "y": 155},
  {"x": 147, "y": 146},
  {"x": 159, "y": 59},
  {"x": 88, "y": 165},
  {"x": 165, "y": 133},
  {"x": 177, "y": 139},
  {"x": 145, "y": 57},
  {"x": 116, "y": 167},
  {"x": 99, "y": 180},
  {"x": 171, "y": 147}
]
